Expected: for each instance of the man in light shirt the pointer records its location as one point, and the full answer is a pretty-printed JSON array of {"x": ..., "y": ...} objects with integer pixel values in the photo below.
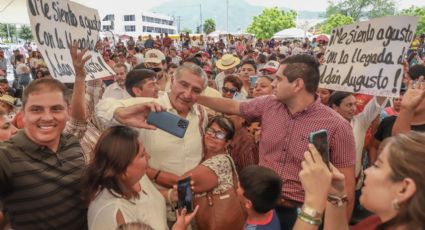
[
  {"x": 117, "y": 89},
  {"x": 168, "y": 153}
]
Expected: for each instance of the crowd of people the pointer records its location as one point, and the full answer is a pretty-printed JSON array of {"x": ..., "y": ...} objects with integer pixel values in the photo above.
[{"x": 82, "y": 156}]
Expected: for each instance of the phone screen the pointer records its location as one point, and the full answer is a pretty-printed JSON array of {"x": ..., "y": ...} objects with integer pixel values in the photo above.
[
  {"x": 320, "y": 140},
  {"x": 252, "y": 81},
  {"x": 184, "y": 192}
]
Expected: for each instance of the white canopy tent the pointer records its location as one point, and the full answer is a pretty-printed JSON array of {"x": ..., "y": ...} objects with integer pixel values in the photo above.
[
  {"x": 15, "y": 11},
  {"x": 292, "y": 33}
]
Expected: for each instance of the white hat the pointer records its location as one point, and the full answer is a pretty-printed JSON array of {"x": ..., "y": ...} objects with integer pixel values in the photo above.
[
  {"x": 228, "y": 61},
  {"x": 271, "y": 66},
  {"x": 154, "y": 56}
]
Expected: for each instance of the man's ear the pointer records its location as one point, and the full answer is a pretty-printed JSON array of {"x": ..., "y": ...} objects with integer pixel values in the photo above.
[{"x": 137, "y": 91}]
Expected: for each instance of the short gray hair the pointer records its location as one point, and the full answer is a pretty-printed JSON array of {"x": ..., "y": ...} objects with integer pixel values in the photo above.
[{"x": 194, "y": 69}]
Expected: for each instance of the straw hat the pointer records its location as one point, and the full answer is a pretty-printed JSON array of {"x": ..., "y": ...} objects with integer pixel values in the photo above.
[
  {"x": 228, "y": 61},
  {"x": 8, "y": 100}
]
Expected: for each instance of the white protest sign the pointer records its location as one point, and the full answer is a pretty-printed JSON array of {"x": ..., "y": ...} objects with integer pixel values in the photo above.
[
  {"x": 367, "y": 57},
  {"x": 55, "y": 25}
]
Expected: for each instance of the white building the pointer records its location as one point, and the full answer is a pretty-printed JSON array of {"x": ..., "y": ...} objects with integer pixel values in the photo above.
[{"x": 138, "y": 23}]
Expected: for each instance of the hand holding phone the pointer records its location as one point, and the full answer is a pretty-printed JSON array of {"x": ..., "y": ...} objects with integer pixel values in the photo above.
[
  {"x": 168, "y": 122},
  {"x": 320, "y": 140},
  {"x": 184, "y": 193}
]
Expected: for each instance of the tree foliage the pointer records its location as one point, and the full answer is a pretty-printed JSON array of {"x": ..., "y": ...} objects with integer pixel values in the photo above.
[
  {"x": 419, "y": 12},
  {"x": 209, "y": 26},
  {"x": 25, "y": 33},
  {"x": 270, "y": 21},
  {"x": 361, "y": 8},
  {"x": 3, "y": 30},
  {"x": 335, "y": 21}
]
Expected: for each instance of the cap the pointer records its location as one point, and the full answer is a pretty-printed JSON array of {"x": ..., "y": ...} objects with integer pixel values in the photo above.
[
  {"x": 154, "y": 56},
  {"x": 271, "y": 66}
]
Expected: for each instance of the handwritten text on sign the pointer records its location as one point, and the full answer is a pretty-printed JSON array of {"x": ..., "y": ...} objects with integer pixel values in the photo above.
[
  {"x": 367, "y": 57},
  {"x": 55, "y": 25}
]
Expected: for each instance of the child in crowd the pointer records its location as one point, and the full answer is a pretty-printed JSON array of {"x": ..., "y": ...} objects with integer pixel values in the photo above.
[{"x": 260, "y": 189}]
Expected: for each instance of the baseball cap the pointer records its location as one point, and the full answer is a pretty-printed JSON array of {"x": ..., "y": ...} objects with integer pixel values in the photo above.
[
  {"x": 154, "y": 56},
  {"x": 271, "y": 66}
]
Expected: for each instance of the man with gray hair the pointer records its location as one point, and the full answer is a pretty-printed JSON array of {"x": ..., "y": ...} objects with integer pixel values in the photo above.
[{"x": 168, "y": 153}]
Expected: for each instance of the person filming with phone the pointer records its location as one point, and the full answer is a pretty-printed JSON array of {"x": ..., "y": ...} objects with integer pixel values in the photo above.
[
  {"x": 287, "y": 118},
  {"x": 393, "y": 188}
]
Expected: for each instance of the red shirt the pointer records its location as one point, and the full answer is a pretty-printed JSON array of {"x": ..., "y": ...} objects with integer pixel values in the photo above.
[
  {"x": 370, "y": 223},
  {"x": 285, "y": 138}
]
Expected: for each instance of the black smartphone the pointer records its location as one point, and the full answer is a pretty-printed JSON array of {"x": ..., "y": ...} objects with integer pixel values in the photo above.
[
  {"x": 320, "y": 140},
  {"x": 168, "y": 122},
  {"x": 184, "y": 193}
]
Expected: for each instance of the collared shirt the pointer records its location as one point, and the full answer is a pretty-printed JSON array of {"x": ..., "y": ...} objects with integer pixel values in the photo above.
[
  {"x": 168, "y": 153},
  {"x": 40, "y": 189},
  {"x": 285, "y": 138},
  {"x": 116, "y": 92}
]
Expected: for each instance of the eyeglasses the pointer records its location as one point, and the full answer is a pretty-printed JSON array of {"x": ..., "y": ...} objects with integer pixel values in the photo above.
[
  {"x": 227, "y": 90},
  {"x": 219, "y": 135}
]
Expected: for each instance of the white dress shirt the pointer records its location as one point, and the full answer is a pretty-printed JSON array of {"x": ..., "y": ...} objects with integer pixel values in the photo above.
[{"x": 116, "y": 92}]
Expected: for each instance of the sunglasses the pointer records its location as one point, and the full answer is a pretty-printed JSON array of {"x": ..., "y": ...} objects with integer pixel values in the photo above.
[
  {"x": 219, "y": 135},
  {"x": 227, "y": 90},
  {"x": 157, "y": 70}
]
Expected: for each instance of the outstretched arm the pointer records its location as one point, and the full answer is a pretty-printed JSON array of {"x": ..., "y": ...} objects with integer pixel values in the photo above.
[{"x": 223, "y": 105}]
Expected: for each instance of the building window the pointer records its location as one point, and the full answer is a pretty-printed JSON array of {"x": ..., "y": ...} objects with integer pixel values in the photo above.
[
  {"x": 144, "y": 18},
  {"x": 106, "y": 28},
  {"x": 109, "y": 17},
  {"x": 149, "y": 19},
  {"x": 130, "y": 28},
  {"x": 129, "y": 18},
  {"x": 157, "y": 20}
]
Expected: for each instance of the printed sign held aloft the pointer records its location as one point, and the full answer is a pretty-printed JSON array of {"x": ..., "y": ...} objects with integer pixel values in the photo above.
[
  {"x": 55, "y": 25},
  {"x": 367, "y": 57}
]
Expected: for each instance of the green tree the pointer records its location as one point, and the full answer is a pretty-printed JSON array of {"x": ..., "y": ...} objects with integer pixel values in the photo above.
[
  {"x": 335, "y": 21},
  {"x": 209, "y": 26},
  {"x": 419, "y": 12},
  {"x": 270, "y": 21},
  {"x": 3, "y": 31},
  {"x": 25, "y": 33},
  {"x": 184, "y": 30},
  {"x": 361, "y": 8}
]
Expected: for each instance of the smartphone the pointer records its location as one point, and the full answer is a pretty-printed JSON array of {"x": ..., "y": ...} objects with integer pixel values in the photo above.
[
  {"x": 184, "y": 193},
  {"x": 252, "y": 81},
  {"x": 168, "y": 122},
  {"x": 238, "y": 96},
  {"x": 320, "y": 140}
]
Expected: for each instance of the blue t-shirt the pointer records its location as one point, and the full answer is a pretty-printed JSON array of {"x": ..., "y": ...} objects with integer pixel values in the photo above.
[{"x": 271, "y": 223}]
